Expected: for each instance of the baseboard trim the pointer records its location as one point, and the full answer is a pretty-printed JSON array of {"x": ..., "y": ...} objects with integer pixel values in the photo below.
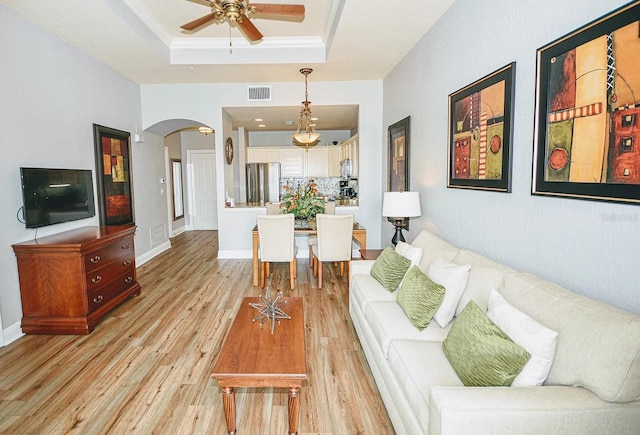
[
  {"x": 12, "y": 333},
  {"x": 152, "y": 253}
]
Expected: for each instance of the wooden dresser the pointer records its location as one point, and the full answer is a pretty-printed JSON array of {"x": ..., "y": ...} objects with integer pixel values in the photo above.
[{"x": 71, "y": 280}]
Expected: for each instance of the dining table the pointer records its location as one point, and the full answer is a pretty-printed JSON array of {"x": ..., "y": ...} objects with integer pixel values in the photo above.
[{"x": 359, "y": 236}]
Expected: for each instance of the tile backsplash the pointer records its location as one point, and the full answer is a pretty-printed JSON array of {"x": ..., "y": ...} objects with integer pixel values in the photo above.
[{"x": 327, "y": 186}]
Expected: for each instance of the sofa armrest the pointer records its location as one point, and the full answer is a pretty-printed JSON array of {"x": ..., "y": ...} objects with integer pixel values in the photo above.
[
  {"x": 361, "y": 267},
  {"x": 548, "y": 410}
]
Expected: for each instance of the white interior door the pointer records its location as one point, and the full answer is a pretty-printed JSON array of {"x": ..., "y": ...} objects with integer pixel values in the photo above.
[{"x": 204, "y": 206}]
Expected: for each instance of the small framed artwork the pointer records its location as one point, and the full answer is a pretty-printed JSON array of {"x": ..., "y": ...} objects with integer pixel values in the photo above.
[
  {"x": 113, "y": 175},
  {"x": 480, "y": 117},
  {"x": 587, "y": 127},
  {"x": 398, "y": 156}
]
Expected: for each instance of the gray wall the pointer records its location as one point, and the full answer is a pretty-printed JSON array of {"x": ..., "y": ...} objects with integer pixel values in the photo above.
[
  {"x": 589, "y": 247},
  {"x": 50, "y": 96}
]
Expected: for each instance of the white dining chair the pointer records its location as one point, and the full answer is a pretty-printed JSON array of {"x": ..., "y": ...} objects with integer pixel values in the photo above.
[
  {"x": 329, "y": 208},
  {"x": 335, "y": 233},
  {"x": 274, "y": 207},
  {"x": 277, "y": 244}
]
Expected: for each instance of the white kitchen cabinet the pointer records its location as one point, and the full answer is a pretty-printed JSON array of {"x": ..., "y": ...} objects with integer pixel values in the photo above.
[
  {"x": 317, "y": 162},
  {"x": 263, "y": 155},
  {"x": 292, "y": 162},
  {"x": 335, "y": 157}
]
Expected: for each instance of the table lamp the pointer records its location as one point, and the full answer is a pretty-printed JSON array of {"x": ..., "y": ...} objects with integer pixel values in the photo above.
[{"x": 400, "y": 205}]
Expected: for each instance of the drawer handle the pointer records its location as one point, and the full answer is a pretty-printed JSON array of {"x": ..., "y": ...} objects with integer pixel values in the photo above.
[
  {"x": 128, "y": 279},
  {"x": 127, "y": 246},
  {"x": 127, "y": 263},
  {"x": 95, "y": 259},
  {"x": 98, "y": 299},
  {"x": 96, "y": 280}
]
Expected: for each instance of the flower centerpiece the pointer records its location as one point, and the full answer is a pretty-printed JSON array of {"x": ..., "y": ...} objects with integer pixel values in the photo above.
[{"x": 304, "y": 201}]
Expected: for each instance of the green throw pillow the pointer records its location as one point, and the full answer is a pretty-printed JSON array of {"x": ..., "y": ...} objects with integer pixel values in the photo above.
[
  {"x": 389, "y": 268},
  {"x": 480, "y": 353},
  {"x": 420, "y": 297}
]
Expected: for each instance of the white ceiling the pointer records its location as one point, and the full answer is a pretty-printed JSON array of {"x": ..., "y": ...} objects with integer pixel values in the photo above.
[{"x": 341, "y": 40}]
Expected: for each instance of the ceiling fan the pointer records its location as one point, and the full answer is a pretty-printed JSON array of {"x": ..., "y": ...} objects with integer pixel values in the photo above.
[{"x": 238, "y": 12}]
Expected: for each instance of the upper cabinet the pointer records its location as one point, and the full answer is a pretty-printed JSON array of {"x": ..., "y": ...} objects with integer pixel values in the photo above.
[
  {"x": 317, "y": 162},
  {"x": 292, "y": 162},
  {"x": 335, "y": 157},
  {"x": 263, "y": 155},
  {"x": 321, "y": 161}
]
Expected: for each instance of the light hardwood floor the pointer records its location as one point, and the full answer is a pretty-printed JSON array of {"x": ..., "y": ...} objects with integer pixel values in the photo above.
[{"x": 146, "y": 367}]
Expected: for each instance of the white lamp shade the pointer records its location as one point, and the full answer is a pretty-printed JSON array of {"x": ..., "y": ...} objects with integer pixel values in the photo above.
[{"x": 401, "y": 204}]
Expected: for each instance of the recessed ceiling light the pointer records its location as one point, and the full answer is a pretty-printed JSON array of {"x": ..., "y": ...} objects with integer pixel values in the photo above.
[
  {"x": 314, "y": 119},
  {"x": 288, "y": 123},
  {"x": 261, "y": 125},
  {"x": 258, "y": 120}
]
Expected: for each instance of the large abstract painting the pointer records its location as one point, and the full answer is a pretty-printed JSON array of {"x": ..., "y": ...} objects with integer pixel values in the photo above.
[
  {"x": 113, "y": 173},
  {"x": 588, "y": 112},
  {"x": 480, "y": 133}
]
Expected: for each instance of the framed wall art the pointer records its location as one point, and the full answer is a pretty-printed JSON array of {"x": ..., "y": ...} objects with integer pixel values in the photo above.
[
  {"x": 398, "y": 159},
  {"x": 113, "y": 175},
  {"x": 587, "y": 127},
  {"x": 480, "y": 117},
  {"x": 398, "y": 156}
]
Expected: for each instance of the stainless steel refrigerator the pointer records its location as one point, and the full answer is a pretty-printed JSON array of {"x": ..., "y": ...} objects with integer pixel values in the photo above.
[{"x": 263, "y": 182}]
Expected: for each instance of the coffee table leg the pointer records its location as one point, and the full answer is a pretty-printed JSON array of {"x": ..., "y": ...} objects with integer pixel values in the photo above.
[
  {"x": 229, "y": 404},
  {"x": 294, "y": 410}
]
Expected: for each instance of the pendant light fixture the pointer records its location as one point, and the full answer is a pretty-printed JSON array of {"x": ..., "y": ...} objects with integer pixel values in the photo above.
[{"x": 306, "y": 136}]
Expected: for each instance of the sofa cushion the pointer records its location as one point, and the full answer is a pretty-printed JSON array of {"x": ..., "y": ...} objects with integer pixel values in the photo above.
[
  {"x": 419, "y": 297},
  {"x": 365, "y": 289},
  {"x": 417, "y": 366},
  {"x": 432, "y": 248},
  {"x": 389, "y": 322},
  {"x": 389, "y": 268},
  {"x": 453, "y": 277},
  {"x": 598, "y": 344},
  {"x": 484, "y": 276},
  {"x": 536, "y": 338},
  {"x": 480, "y": 353}
]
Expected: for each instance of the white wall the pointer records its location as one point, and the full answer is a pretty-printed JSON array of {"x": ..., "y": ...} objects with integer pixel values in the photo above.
[
  {"x": 50, "y": 96},
  {"x": 204, "y": 103},
  {"x": 573, "y": 242}
]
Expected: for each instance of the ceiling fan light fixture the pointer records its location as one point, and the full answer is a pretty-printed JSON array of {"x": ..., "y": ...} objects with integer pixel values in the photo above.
[{"x": 306, "y": 134}]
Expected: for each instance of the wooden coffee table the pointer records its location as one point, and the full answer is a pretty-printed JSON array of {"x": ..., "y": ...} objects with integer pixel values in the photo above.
[{"x": 252, "y": 357}]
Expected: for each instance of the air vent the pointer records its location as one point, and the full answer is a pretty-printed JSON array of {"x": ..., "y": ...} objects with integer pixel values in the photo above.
[{"x": 259, "y": 93}]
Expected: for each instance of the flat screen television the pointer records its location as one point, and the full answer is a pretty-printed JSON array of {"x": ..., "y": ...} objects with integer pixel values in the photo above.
[{"x": 53, "y": 196}]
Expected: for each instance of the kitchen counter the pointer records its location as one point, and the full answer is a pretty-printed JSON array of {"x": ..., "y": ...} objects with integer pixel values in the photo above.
[{"x": 342, "y": 203}]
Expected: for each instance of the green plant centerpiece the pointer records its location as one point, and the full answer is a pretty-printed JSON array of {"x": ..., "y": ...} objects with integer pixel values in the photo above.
[{"x": 303, "y": 201}]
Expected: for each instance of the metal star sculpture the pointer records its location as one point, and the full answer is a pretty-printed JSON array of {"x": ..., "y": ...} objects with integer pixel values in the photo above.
[{"x": 269, "y": 309}]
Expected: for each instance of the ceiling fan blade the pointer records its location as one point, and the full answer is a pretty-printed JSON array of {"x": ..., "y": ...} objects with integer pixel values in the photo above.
[
  {"x": 199, "y": 22},
  {"x": 249, "y": 30},
  {"x": 279, "y": 11}
]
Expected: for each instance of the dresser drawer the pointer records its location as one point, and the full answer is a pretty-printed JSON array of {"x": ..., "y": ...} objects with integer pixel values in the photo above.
[
  {"x": 100, "y": 257},
  {"x": 105, "y": 293},
  {"x": 99, "y": 277}
]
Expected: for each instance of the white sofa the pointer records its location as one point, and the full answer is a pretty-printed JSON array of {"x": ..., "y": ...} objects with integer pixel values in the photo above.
[{"x": 593, "y": 386}]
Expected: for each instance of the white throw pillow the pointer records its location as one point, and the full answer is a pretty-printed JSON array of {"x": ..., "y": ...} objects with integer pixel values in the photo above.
[
  {"x": 536, "y": 338},
  {"x": 453, "y": 277},
  {"x": 410, "y": 252}
]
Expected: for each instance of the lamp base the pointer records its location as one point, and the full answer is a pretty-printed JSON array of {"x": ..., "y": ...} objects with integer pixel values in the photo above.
[{"x": 398, "y": 237}]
